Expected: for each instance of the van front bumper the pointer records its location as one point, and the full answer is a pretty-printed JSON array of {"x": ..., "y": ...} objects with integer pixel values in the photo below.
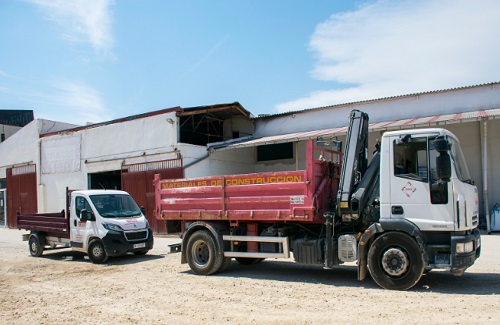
[{"x": 117, "y": 243}]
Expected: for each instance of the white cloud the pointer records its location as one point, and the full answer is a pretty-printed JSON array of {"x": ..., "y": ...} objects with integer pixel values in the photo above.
[
  {"x": 86, "y": 21},
  {"x": 81, "y": 99},
  {"x": 389, "y": 48}
]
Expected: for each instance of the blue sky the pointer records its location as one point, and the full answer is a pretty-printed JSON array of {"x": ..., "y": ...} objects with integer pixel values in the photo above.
[{"x": 85, "y": 61}]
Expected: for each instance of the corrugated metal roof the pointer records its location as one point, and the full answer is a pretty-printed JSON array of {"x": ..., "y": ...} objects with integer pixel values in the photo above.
[
  {"x": 380, "y": 126},
  {"x": 270, "y": 116}
]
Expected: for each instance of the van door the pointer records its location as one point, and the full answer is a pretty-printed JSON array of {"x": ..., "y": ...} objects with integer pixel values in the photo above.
[{"x": 81, "y": 229}]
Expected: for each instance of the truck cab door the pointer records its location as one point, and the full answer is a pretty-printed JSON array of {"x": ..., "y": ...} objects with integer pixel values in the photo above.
[
  {"x": 414, "y": 186},
  {"x": 81, "y": 227}
]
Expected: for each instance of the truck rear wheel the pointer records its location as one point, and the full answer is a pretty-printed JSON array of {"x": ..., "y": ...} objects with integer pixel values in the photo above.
[
  {"x": 96, "y": 251},
  {"x": 395, "y": 261},
  {"x": 36, "y": 244},
  {"x": 203, "y": 256}
]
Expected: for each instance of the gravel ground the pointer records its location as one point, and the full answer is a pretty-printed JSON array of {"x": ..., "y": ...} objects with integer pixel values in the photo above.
[{"x": 63, "y": 287}]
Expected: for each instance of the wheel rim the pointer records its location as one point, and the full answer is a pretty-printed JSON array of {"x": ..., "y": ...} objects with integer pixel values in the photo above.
[
  {"x": 97, "y": 251},
  {"x": 34, "y": 246},
  {"x": 200, "y": 253},
  {"x": 395, "y": 262}
]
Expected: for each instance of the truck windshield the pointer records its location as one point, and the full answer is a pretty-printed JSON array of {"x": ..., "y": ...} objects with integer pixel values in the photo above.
[
  {"x": 115, "y": 205},
  {"x": 459, "y": 161}
]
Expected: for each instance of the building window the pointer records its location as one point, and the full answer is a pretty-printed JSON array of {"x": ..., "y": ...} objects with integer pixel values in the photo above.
[{"x": 275, "y": 151}]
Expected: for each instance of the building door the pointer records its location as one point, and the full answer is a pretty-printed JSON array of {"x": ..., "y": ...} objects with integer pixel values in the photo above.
[
  {"x": 21, "y": 192},
  {"x": 3, "y": 208},
  {"x": 137, "y": 180}
]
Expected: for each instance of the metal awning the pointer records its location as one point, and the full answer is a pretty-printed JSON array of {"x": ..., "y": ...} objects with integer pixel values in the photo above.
[{"x": 435, "y": 120}]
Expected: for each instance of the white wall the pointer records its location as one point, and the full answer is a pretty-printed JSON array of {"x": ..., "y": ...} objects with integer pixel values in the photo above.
[
  {"x": 20, "y": 148},
  {"x": 105, "y": 148},
  {"x": 493, "y": 160},
  {"x": 8, "y": 130}
]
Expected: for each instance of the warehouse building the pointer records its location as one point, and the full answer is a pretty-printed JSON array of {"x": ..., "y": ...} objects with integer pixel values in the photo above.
[{"x": 37, "y": 164}]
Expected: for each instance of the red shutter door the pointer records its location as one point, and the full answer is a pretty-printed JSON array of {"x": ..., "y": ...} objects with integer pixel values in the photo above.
[
  {"x": 21, "y": 192},
  {"x": 137, "y": 180}
]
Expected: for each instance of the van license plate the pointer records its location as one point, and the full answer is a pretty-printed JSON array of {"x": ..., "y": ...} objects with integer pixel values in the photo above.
[{"x": 140, "y": 245}]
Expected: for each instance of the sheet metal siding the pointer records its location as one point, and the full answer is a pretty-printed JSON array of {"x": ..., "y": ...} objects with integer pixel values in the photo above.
[
  {"x": 137, "y": 180},
  {"x": 379, "y": 126},
  {"x": 21, "y": 192}
]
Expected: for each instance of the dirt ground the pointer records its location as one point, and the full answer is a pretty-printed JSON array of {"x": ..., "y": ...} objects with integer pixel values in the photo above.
[{"x": 62, "y": 287}]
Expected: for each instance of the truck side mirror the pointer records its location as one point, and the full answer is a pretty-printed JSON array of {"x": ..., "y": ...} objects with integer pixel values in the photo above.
[
  {"x": 84, "y": 215},
  {"x": 443, "y": 166},
  {"x": 443, "y": 161}
]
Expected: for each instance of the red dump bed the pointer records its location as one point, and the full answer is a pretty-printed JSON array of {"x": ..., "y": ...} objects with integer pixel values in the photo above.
[
  {"x": 302, "y": 195},
  {"x": 52, "y": 224}
]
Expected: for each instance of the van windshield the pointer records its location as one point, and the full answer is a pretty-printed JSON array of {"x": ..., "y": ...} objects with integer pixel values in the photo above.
[{"x": 115, "y": 205}]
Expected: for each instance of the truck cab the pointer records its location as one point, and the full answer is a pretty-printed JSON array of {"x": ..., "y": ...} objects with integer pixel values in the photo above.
[
  {"x": 412, "y": 186},
  {"x": 429, "y": 210},
  {"x": 107, "y": 223}
]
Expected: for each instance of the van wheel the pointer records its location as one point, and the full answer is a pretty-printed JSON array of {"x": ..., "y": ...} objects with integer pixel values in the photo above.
[
  {"x": 96, "y": 251},
  {"x": 395, "y": 261},
  {"x": 202, "y": 253},
  {"x": 36, "y": 244}
]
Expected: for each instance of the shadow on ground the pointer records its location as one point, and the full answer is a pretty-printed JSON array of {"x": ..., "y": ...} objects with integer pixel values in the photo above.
[{"x": 346, "y": 276}]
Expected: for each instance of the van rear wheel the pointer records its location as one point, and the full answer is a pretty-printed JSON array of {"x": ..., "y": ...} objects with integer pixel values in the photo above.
[{"x": 36, "y": 244}]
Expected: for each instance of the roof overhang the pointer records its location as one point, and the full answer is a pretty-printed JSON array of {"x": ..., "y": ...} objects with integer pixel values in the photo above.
[{"x": 435, "y": 120}]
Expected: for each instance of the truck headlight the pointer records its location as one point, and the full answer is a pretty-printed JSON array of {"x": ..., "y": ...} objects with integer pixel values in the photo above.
[
  {"x": 465, "y": 247},
  {"x": 112, "y": 226}
]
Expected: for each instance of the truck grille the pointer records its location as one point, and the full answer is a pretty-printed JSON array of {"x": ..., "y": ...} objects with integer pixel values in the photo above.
[{"x": 136, "y": 235}]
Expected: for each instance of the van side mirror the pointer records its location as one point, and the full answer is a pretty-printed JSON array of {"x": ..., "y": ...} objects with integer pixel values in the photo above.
[
  {"x": 143, "y": 211},
  {"x": 84, "y": 215}
]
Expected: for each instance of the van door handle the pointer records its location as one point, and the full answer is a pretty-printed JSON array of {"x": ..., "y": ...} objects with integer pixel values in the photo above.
[{"x": 397, "y": 209}]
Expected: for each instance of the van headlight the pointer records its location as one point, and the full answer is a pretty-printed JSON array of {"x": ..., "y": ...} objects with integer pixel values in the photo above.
[
  {"x": 465, "y": 247},
  {"x": 112, "y": 226}
]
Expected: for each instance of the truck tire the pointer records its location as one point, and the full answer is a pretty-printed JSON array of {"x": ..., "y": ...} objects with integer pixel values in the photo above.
[
  {"x": 96, "y": 252},
  {"x": 248, "y": 260},
  {"x": 202, "y": 253},
  {"x": 36, "y": 243},
  {"x": 395, "y": 261}
]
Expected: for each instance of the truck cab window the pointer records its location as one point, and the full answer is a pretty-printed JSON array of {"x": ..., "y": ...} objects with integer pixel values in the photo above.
[
  {"x": 80, "y": 204},
  {"x": 410, "y": 159}
]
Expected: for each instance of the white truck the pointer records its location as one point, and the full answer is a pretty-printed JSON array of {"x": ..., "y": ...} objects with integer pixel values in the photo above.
[
  {"x": 101, "y": 223},
  {"x": 414, "y": 208}
]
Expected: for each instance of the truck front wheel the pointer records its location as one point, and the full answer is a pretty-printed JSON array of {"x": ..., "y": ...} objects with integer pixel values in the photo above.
[
  {"x": 36, "y": 244},
  {"x": 395, "y": 261},
  {"x": 96, "y": 251},
  {"x": 202, "y": 253}
]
